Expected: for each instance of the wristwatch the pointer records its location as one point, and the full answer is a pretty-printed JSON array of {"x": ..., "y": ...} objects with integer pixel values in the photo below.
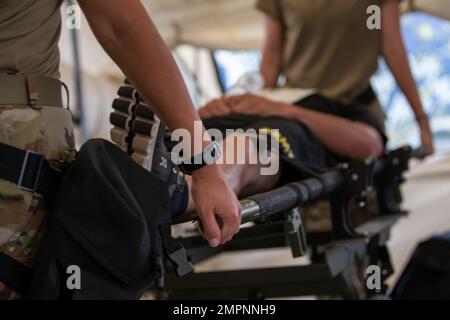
[{"x": 209, "y": 156}]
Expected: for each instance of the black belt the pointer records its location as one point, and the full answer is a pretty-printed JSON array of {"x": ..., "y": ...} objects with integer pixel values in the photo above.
[
  {"x": 29, "y": 170},
  {"x": 367, "y": 96}
]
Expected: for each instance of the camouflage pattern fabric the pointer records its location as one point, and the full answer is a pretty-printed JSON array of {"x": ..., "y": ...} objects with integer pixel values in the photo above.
[
  {"x": 23, "y": 215},
  {"x": 317, "y": 216}
]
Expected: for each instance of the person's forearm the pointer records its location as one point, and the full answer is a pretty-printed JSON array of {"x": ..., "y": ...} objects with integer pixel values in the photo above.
[
  {"x": 272, "y": 53},
  {"x": 344, "y": 137},
  {"x": 397, "y": 60},
  {"x": 132, "y": 41},
  {"x": 270, "y": 70},
  {"x": 148, "y": 63},
  {"x": 394, "y": 53}
]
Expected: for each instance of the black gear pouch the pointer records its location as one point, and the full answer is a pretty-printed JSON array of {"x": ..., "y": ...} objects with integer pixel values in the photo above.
[{"x": 106, "y": 225}]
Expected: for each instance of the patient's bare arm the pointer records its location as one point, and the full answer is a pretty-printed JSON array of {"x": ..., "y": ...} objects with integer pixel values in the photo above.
[{"x": 346, "y": 138}]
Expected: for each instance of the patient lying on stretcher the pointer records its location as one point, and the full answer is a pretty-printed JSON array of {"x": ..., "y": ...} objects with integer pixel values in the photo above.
[
  {"x": 315, "y": 132},
  {"x": 312, "y": 134}
]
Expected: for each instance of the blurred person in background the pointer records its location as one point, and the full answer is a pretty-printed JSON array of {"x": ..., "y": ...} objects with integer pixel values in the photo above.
[{"x": 328, "y": 46}]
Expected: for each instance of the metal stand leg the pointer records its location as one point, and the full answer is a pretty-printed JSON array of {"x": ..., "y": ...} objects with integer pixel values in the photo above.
[{"x": 296, "y": 233}]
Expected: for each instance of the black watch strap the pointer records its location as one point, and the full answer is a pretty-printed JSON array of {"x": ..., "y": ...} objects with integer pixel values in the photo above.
[
  {"x": 191, "y": 168},
  {"x": 199, "y": 161}
]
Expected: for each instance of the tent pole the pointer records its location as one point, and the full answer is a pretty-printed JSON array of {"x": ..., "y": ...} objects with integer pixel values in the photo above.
[
  {"x": 79, "y": 94},
  {"x": 217, "y": 73}
]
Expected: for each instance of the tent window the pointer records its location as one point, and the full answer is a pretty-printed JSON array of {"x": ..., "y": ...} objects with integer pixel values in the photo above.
[{"x": 231, "y": 65}]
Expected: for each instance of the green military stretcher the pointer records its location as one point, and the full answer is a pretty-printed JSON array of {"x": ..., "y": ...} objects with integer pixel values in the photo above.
[{"x": 338, "y": 258}]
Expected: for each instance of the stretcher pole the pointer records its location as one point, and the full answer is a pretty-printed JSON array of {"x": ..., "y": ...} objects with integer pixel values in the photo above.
[{"x": 356, "y": 177}]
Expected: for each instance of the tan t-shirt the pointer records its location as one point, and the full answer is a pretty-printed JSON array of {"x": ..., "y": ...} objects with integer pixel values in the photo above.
[
  {"x": 29, "y": 35},
  {"x": 328, "y": 45}
]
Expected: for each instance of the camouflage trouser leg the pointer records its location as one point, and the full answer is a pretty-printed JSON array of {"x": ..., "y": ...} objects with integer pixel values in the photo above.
[
  {"x": 23, "y": 215},
  {"x": 317, "y": 216}
]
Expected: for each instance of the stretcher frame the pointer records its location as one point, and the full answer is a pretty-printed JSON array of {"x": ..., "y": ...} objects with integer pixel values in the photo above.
[{"x": 337, "y": 258}]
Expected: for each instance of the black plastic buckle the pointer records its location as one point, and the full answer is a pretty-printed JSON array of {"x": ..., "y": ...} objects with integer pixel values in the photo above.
[
  {"x": 23, "y": 172},
  {"x": 180, "y": 261}
]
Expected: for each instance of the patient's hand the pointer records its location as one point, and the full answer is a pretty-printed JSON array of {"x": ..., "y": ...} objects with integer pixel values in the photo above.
[
  {"x": 215, "y": 108},
  {"x": 255, "y": 105}
]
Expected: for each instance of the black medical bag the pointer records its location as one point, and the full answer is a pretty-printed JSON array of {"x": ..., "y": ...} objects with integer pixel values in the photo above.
[
  {"x": 427, "y": 276},
  {"x": 108, "y": 223}
]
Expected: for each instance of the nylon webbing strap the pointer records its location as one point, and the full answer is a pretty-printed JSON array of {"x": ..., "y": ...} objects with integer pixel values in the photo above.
[
  {"x": 20, "y": 90},
  {"x": 32, "y": 91},
  {"x": 14, "y": 274},
  {"x": 29, "y": 170}
]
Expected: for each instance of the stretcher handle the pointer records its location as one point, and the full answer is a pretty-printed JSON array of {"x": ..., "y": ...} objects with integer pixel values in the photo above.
[{"x": 262, "y": 206}]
